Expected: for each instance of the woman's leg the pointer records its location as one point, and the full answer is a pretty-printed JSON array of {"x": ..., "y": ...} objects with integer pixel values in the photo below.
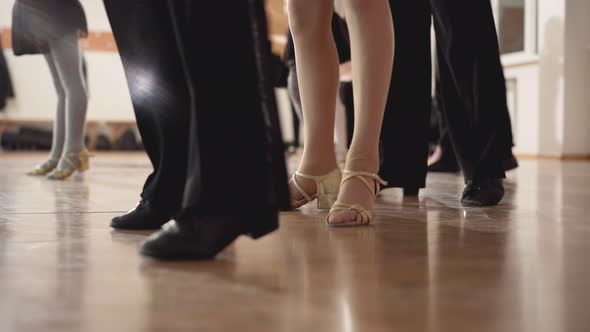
[
  {"x": 372, "y": 45},
  {"x": 67, "y": 57},
  {"x": 317, "y": 73},
  {"x": 59, "y": 130},
  {"x": 58, "y": 124}
]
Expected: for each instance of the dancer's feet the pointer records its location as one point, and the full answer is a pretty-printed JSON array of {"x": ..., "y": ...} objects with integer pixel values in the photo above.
[
  {"x": 45, "y": 167},
  {"x": 303, "y": 185},
  {"x": 485, "y": 192},
  {"x": 358, "y": 191},
  {"x": 70, "y": 163},
  {"x": 143, "y": 217},
  {"x": 324, "y": 188},
  {"x": 202, "y": 237}
]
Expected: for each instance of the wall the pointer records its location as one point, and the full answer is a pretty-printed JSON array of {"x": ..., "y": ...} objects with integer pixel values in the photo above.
[
  {"x": 551, "y": 114},
  {"x": 577, "y": 78}
]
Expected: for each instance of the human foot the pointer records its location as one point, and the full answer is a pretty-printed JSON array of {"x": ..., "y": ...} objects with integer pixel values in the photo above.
[
  {"x": 69, "y": 163},
  {"x": 45, "y": 167},
  {"x": 356, "y": 199}
]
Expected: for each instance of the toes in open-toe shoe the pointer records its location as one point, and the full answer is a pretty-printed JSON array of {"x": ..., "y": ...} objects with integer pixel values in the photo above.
[{"x": 364, "y": 216}]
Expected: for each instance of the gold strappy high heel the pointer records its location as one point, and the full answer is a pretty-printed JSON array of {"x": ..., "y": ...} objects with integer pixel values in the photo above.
[
  {"x": 76, "y": 161},
  {"x": 326, "y": 193},
  {"x": 364, "y": 216},
  {"x": 44, "y": 168}
]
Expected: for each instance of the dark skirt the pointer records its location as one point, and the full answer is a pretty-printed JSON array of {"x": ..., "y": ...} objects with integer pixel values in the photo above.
[{"x": 37, "y": 23}]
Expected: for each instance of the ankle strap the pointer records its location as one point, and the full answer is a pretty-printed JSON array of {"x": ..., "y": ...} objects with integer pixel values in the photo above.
[
  {"x": 349, "y": 175},
  {"x": 334, "y": 172},
  {"x": 305, "y": 176}
]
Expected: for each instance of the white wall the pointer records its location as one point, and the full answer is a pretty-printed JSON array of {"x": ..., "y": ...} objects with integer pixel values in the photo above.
[
  {"x": 552, "y": 113},
  {"x": 577, "y": 77}
]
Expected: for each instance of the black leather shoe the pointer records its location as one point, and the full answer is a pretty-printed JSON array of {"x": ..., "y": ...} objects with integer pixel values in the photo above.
[
  {"x": 197, "y": 237},
  {"x": 143, "y": 216},
  {"x": 487, "y": 192}
]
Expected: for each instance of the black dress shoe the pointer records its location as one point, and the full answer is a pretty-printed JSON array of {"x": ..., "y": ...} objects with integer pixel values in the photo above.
[
  {"x": 144, "y": 216},
  {"x": 487, "y": 192},
  {"x": 198, "y": 237}
]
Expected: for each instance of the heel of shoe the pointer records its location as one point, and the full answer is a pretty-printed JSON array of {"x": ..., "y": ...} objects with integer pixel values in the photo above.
[
  {"x": 325, "y": 201},
  {"x": 84, "y": 162},
  {"x": 328, "y": 188}
]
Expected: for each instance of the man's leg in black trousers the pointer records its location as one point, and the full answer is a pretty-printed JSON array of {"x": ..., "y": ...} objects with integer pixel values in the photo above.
[
  {"x": 474, "y": 94},
  {"x": 405, "y": 125},
  {"x": 142, "y": 32},
  {"x": 447, "y": 161},
  {"x": 234, "y": 138}
]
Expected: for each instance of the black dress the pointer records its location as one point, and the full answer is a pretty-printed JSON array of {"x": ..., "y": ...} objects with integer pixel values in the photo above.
[{"x": 36, "y": 23}]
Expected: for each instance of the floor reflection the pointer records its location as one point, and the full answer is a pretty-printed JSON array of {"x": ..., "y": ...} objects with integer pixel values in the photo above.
[{"x": 426, "y": 264}]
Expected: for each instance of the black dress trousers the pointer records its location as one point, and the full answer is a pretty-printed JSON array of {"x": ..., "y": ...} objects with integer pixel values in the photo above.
[
  {"x": 144, "y": 33},
  {"x": 471, "y": 84},
  {"x": 404, "y": 135},
  {"x": 199, "y": 75}
]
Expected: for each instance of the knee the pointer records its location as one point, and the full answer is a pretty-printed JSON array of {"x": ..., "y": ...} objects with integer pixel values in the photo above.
[{"x": 307, "y": 18}]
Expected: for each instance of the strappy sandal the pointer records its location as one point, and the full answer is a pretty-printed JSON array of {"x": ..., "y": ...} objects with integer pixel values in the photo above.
[
  {"x": 326, "y": 193},
  {"x": 364, "y": 216},
  {"x": 76, "y": 162},
  {"x": 44, "y": 168}
]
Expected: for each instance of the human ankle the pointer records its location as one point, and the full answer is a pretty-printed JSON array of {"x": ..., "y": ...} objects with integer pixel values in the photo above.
[
  {"x": 317, "y": 167},
  {"x": 365, "y": 164}
]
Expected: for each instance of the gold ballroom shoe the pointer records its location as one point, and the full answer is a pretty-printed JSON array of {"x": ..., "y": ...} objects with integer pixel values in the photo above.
[
  {"x": 44, "y": 168},
  {"x": 326, "y": 193},
  {"x": 364, "y": 216},
  {"x": 74, "y": 162}
]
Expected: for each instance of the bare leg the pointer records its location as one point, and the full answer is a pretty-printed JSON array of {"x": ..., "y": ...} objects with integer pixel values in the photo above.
[
  {"x": 372, "y": 44},
  {"x": 317, "y": 72}
]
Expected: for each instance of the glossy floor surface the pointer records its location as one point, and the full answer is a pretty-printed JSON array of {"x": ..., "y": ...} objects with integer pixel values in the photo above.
[{"x": 425, "y": 265}]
